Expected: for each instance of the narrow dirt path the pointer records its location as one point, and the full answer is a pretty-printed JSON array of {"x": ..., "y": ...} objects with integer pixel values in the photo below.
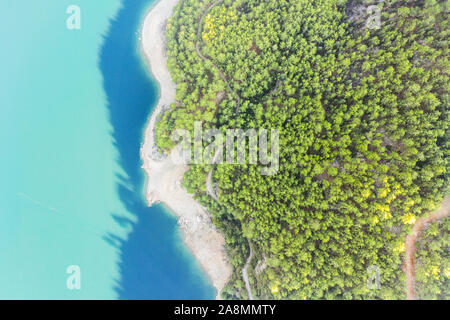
[
  {"x": 245, "y": 275},
  {"x": 209, "y": 185},
  {"x": 410, "y": 245}
]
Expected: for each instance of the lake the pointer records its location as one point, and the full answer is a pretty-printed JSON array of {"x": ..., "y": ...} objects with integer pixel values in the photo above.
[{"x": 74, "y": 104}]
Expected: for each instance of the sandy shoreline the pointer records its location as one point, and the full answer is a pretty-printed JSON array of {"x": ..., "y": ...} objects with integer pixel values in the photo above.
[{"x": 164, "y": 175}]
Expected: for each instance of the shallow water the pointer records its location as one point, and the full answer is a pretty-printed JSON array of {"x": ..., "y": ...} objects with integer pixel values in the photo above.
[{"x": 74, "y": 104}]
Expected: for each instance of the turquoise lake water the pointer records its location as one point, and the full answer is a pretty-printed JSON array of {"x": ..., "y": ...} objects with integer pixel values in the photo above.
[{"x": 74, "y": 104}]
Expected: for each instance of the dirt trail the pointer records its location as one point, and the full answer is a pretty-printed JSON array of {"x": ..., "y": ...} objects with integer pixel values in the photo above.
[
  {"x": 410, "y": 245},
  {"x": 245, "y": 275},
  {"x": 209, "y": 186}
]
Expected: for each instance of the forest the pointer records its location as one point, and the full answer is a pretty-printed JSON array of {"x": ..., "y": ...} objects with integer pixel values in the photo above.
[{"x": 363, "y": 115}]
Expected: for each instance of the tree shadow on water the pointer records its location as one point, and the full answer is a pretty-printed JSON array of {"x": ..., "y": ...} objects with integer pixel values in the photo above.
[{"x": 153, "y": 263}]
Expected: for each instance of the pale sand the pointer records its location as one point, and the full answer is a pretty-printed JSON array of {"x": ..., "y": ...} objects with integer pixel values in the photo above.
[{"x": 164, "y": 175}]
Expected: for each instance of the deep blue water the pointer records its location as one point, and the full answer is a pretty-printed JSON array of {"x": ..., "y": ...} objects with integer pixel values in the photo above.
[{"x": 153, "y": 263}]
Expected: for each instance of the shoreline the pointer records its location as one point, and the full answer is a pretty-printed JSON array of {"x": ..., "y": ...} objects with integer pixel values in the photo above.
[{"x": 164, "y": 174}]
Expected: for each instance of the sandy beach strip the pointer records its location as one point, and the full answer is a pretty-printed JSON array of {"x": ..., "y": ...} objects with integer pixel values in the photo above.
[{"x": 164, "y": 173}]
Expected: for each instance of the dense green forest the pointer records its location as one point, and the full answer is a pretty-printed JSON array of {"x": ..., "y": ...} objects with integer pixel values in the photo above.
[{"x": 363, "y": 116}]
